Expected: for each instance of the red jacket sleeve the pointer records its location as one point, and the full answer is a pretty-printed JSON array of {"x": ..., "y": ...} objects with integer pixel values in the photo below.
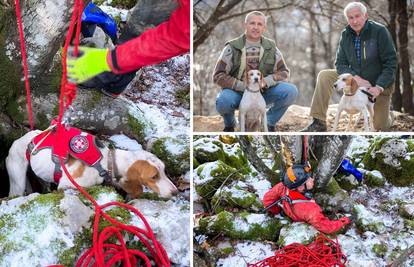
[
  {"x": 315, "y": 217},
  {"x": 170, "y": 38},
  {"x": 271, "y": 196}
]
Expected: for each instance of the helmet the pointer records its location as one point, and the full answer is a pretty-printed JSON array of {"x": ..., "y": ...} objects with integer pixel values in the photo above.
[{"x": 296, "y": 175}]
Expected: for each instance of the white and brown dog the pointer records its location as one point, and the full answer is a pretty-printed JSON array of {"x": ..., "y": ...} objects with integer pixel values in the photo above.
[
  {"x": 252, "y": 109},
  {"x": 355, "y": 100},
  {"x": 135, "y": 168}
]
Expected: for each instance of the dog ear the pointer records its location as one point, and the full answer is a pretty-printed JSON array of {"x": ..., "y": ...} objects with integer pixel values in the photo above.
[
  {"x": 354, "y": 85},
  {"x": 262, "y": 81}
]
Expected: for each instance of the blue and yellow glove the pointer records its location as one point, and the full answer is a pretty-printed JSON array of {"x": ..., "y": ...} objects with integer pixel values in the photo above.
[{"x": 89, "y": 63}]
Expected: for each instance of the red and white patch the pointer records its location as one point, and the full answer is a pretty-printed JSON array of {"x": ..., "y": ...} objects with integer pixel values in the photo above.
[{"x": 79, "y": 144}]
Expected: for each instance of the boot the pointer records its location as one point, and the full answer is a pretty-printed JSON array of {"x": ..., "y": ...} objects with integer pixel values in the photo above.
[{"x": 315, "y": 126}]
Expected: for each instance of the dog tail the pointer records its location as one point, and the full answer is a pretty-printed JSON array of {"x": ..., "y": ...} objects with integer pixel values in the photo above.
[{"x": 17, "y": 164}]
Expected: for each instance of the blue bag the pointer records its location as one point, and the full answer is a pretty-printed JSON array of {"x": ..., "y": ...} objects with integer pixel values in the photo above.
[
  {"x": 92, "y": 16},
  {"x": 347, "y": 168}
]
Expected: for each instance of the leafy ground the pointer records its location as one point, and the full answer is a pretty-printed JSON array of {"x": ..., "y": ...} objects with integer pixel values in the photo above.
[{"x": 296, "y": 118}]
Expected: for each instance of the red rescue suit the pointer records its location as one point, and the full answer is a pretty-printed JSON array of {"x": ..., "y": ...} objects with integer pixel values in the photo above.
[
  {"x": 302, "y": 209},
  {"x": 170, "y": 38}
]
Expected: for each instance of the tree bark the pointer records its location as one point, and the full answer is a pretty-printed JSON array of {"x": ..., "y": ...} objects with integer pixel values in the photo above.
[
  {"x": 396, "y": 96},
  {"x": 407, "y": 95},
  {"x": 251, "y": 153}
]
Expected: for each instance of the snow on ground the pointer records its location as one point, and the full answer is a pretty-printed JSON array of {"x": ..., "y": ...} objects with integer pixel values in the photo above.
[
  {"x": 359, "y": 144},
  {"x": 115, "y": 12},
  {"x": 247, "y": 252},
  {"x": 170, "y": 222},
  {"x": 124, "y": 142},
  {"x": 154, "y": 94}
]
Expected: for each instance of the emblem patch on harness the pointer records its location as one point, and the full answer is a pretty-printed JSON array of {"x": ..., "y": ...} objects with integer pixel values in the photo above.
[{"x": 79, "y": 144}]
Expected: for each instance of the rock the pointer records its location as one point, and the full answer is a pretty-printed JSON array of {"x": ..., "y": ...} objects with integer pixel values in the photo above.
[
  {"x": 175, "y": 153},
  {"x": 374, "y": 179},
  {"x": 170, "y": 223},
  {"x": 250, "y": 226},
  {"x": 246, "y": 251},
  {"x": 393, "y": 158},
  {"x": 207, "y": 150},
  {"x": 407, "y": 211},
  {"x": 380, "y": 249},
  {"x": 368, "y": 221},
  {"x": 347, "y": 182},
  {"x": 297, "y": 232},
  {"x": 208, "y": 177},
  {"x": 235, "y": 195},
  {"x": 40, "y": 230},
  {"x": 210, "y": 149}
]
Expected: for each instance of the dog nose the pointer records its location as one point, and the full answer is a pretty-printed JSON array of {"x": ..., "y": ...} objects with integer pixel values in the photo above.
[
  {"x": 335, "y": 85},
  {"x": 256, "y": 79}
]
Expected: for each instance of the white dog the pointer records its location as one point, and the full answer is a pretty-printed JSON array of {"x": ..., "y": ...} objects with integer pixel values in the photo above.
[
  {"x": 252, "y": 109},
  {"x": 136, "y": 169},
  {"x": 354, "y": 100}
]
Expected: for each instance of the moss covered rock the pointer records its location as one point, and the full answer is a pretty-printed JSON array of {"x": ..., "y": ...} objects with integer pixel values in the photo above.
[
  {"x": 347, "y": 182},
  {"x": 297, "y": 232},
  {"x": 374, "y": 179},
  {"x": 367, "y": 220},
  {"x": 235, "y": 195},
  {"x": 234, "y": 156},
  {"x": 380, "y": 249},
  {"x": 208, "y": 150},
  {"x": 247, "y": 226},
  {"x": 208, "y": 177},
  {"x": 175, "y": 153},
  {"x": 393, "y": 158},
  {"x": 407, "y": 210}
]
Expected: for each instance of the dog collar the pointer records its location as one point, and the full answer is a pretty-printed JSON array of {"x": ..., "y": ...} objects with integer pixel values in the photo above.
[
  {"x": 247, "y": 88},
  {"x": 371, "y": 98}
]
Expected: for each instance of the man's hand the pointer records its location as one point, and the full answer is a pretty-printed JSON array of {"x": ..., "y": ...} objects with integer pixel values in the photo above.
[
  {"x": 361, "y": 82},
  {"x": 89, "y": 63},
  {"x": 375, "y": 91}
]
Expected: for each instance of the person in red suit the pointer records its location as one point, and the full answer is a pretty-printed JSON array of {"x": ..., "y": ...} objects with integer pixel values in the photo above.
[
  {"x": 170, "y": 38},
  {"x": 294, "y": 199}
]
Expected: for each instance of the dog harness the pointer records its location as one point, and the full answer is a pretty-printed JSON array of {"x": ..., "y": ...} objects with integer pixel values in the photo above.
[
  {"x": 295, "y": 198},
  {"x": 78, "y": 144}
]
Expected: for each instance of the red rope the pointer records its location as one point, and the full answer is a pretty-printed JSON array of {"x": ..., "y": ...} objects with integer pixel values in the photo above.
[
  {"x": 24, "y": 62},
  {"x": 100, "y": 250},
  {"x": 322, "y": 252}
]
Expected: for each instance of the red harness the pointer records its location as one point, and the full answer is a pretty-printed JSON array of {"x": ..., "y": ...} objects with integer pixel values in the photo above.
[{"x": 73, "y": 142}]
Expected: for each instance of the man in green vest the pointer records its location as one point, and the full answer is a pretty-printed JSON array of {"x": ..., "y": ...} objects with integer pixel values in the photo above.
[
  {"x": 366, "y": 50},
  {"x": 252, "y": 51}
]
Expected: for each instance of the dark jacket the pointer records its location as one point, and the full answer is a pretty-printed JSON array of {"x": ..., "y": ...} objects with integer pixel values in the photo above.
[{"x": 378, "y": 55}]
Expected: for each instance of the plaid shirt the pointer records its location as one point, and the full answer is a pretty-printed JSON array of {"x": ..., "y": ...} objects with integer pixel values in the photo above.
[{"x": 357, "y": 45}]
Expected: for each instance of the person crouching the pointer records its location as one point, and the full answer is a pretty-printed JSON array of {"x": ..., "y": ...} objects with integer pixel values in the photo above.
[{"x": 293, "y": 197}]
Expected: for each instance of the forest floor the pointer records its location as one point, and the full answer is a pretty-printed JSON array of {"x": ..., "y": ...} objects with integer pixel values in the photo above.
[{"x": 297, "y": 118}]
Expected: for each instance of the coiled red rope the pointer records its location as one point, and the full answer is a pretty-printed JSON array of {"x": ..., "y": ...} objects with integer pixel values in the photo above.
[
  {"x": 323, "y": 252},
  {"x": 101, "y": 253}
]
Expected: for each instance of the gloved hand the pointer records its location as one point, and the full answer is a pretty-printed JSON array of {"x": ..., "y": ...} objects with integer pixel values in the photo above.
[{"x": 89, "y": 63}]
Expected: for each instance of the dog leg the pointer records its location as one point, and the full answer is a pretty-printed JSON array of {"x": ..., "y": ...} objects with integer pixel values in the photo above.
[
  {"x": 264, "y": 121},
  {"x": 358, "y": 120},
  {"x": 371, "y": 116},
  {"x": 242, "y": 121},
  {"x": 366, "y": 124},
  {"x": 16, "y": 165},
  {"x": 338, "y": 114},
  {"x": 348, "y": 126}
]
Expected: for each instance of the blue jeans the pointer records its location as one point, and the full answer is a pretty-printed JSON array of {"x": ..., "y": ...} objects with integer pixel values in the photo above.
[{"x": 278, "y": 97}]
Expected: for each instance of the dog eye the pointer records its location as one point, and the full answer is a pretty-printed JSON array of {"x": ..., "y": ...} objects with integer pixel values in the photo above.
[{"x": 155, "y": 177}]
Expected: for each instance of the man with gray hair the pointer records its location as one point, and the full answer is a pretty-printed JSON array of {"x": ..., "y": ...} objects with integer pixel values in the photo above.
[
  {"x": 366, "y": 50},
  {"x": 250, "y": 51}
]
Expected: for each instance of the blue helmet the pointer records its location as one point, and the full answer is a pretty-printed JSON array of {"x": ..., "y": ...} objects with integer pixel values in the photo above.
[{"x": 92, "y": 16}]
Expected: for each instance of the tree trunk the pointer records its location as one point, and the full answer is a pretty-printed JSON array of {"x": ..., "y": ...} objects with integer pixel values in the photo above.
[
  {"x": 251, "y": 153},
  {"x": 396, "y": 96},
  {"x": 147, "y": 14},
  {"x": 330, "y": 151},
  {"x": 407, "y": 94}
]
